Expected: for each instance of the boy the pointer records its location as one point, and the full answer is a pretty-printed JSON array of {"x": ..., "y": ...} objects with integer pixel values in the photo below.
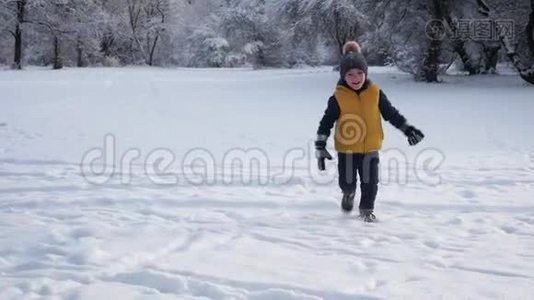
[{"x": 357, "y": 107}]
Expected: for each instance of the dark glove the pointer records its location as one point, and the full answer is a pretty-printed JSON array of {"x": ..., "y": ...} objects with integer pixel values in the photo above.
[
  {"x": 414, "y": 135},
  {"x": 320, "y": 152}
]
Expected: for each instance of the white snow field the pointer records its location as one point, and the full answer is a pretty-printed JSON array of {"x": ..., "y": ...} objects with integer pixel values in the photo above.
[{"x": 456, "y": 211}]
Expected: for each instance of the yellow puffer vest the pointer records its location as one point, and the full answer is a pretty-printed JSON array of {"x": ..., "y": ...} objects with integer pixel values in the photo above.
[{"x": 359, "y": 126}]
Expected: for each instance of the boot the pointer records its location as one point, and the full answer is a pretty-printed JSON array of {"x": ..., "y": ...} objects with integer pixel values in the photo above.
[
  {"x": 367, "y": 216},
  {"x": 347, "y": 203}
]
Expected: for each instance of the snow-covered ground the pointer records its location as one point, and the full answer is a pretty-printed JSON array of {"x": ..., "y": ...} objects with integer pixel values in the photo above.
[{"x": 456, "y": 211}]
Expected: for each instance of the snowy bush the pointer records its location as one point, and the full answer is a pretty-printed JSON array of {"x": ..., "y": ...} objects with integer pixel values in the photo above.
[{"x": 111, "y": 61}]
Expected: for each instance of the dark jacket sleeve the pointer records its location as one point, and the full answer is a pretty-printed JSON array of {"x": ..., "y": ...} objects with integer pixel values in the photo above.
[
  {"x": 389, "y": 112},
  {"x": 331, "y": 114}
]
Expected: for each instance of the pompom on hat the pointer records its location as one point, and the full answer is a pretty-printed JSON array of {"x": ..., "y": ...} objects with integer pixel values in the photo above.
[
  {"x": 352, "y": 59},
  {"x": 352, "y": 46}
]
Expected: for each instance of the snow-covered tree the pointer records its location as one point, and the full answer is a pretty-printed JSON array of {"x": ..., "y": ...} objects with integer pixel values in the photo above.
[
  {"x": 301, "y": 38},
  {"x": 65, "y": 25},
  {"x": 147, "y": 19},
  {"x": 207, "y": 47},
  {"x": 236, "y": 32},
  {"x": 248, "y": 26},
  {"x": 12, "y": 18},
  {"x": 340, "y": 20},
  {"x": 510, "y": 43}
]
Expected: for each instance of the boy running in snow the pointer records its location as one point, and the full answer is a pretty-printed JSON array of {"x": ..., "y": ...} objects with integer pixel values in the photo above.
[{"x": 357, "y": 107}]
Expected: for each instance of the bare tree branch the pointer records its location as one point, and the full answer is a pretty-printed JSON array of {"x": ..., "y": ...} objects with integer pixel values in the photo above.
[{"x": 525, "y": 73}]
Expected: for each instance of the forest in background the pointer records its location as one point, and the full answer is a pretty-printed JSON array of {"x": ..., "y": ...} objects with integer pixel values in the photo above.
[{"x": 421, "y": 37}]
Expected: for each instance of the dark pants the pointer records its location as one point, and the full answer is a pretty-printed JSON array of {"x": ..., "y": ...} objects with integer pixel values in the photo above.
[{"x": 364, "y": 165}]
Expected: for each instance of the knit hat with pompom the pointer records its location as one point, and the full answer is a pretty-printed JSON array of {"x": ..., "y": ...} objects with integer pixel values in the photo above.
[{"x": 352, "y": 59}]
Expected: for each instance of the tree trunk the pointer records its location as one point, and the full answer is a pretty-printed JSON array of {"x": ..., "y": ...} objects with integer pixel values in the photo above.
[
  {"x": 58, "y": 64},
  {"x": 459, "y": 47},
  {"x": 153, "y": 50},
  {"x": 469, "y": 65},
  {"x": 530, "y": 29},
  {"x": 17, "y": 61},
  {"x": 106, "y": 43},
  {"x": 431, "y": 62},
  {"x": 491, "y": 53},
  {"x": 79, "y": 51},
  {"x": 340, "y": 40},
  {"x": 134, "y": 13},
  {"x": 525, "y": 73},
  {"x": 458, "y": 43},
  {"x": 430, "y": 67}
]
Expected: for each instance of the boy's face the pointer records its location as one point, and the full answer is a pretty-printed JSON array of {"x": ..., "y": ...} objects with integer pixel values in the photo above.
[{"x": 355, "y": 78}]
